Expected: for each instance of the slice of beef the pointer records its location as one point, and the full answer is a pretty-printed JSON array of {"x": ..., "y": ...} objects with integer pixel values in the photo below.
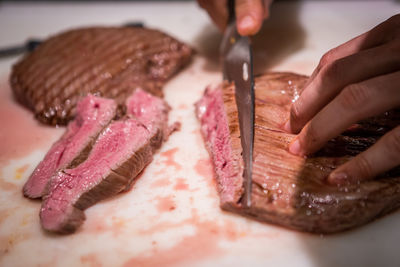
[
  {"x": 93, "y": 115},
  {"x": 119, "y": 154},
  {"x": 146, "y": 109},
  {"x": 109, "y": 61},
  {"x": 288, "y": 190}
]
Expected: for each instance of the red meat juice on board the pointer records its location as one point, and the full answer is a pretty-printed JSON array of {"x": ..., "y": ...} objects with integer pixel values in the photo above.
[{"x": 20, "y": 133}]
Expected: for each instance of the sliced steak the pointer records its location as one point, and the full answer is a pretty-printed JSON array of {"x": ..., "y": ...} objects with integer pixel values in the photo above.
[
  {"x": 93, "y": 114},
  {"x": 109, "y": 61},
  {"x": 289, "y": 190},
  {"x": 119, "y": 154}
]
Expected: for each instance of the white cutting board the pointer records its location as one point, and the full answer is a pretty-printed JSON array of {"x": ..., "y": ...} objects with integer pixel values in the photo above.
[{"x": 171, "y": 216}]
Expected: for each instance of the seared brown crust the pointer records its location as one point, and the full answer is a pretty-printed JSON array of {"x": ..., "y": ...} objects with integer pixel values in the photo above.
[
  {"x": 108, "y": 61},
  {"x": 292, "y": 191}
]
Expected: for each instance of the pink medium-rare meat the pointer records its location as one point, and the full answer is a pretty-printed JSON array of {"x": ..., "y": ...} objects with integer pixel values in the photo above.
[
  {"x": 288, "y": 190},
  {"x": 108, "y": 61},
  {"x": 214, "y": 126},
  {"x": 119, "y": 154},
  {"x": 107, "y": 171},
  {"x": 146, "y": 109},
  {"x": 93, "y": 114}
]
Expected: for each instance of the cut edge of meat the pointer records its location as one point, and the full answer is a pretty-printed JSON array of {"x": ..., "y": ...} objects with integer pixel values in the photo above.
[
  {"x": 211, "y": 112},
  {"x": 328, "y": 210},
  {"x": 126, "y": 146},
  {"x": 93, "y": 115},
  {"x": 93, "y": 181}
]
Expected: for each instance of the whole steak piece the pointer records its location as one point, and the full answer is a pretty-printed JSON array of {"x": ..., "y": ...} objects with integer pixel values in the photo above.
[
  {"x": 122, "y": 150},
  {"x": 288, "y": 190},
  {"x": 108, "y": 61}
]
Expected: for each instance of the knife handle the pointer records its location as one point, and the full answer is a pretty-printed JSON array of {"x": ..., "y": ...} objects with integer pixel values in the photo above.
[
  {"x": 231, "y": 11},
  {"x": 31, "y": 44}
]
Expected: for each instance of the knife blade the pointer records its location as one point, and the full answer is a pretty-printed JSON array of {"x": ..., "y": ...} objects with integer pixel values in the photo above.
[{"x": 238, "y": 68}]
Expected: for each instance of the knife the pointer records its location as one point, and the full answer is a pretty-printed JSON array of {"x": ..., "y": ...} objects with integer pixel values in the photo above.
[{"x": 238, "y": 68}]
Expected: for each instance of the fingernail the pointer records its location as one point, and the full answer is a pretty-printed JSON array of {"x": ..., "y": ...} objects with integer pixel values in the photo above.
[
  {"x": 294, "y": 147},
  {"x": 338, "y": 178},
  {"x": 247, "y": 23},
  {"x": 287, "y": 127}
]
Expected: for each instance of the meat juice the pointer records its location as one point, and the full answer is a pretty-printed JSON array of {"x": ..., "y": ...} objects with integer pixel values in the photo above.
[
  {"x": 165, "y": 204},
  {"x": 168, "y": 158},
  {"x": 203, "y": 244},
  {"x": 181, "y": 184},
  {"x": 162, "y": 182},
  {"x": 204, "y": 168},
  {"x": 21, "y": 134}
]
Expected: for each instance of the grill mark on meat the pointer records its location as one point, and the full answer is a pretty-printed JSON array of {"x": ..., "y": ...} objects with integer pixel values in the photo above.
[
  {"x": 268, "y": 129},
  {"x": 88, "y": 67},
  {"x": 112, "y": 69},
  {"x": 41, "y": 72},
  {"x": 81, "y": 68},
  {"x": 34, "y": 60},
  {"x": 60, "y": 79},
  {"x": 51, "y": 80},
  {"x": 67, "y": 45},
  {"x": 289, "y": 190}
]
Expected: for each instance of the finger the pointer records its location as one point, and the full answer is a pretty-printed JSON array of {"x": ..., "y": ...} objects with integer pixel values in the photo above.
[
  {"x": 380, "y": 34},
  {"x": 335, "y": 76},
  {"x": 217, "y": 10},
  {"x": 249, "y": 16},
  {"x": 381, "y": 157},
  {"x": 354, "y": 103},
  {"x": 266, "y": 5}
]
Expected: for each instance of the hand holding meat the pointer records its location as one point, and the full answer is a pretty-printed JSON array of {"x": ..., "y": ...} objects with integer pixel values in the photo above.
[
  {"x": 249, "y": 13},
  {"x": 352, "y": 82}
]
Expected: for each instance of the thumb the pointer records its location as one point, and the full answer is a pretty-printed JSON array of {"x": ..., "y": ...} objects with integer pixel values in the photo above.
[{"x": 250, "y": 15}]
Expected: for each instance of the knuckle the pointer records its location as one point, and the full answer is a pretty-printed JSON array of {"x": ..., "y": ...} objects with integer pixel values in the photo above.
[
  {"x": 331, "y": 71},
  {"x": 363, "y": 167},
  {"x": 311, "y": 137},
  {"x": 394, "y": 46},
  {"x": 294, "y": 112},
  {"x": 391, "y": 28},
  {"x": 394, "y": 20},
  {"x": 295, "y": 116},
  {"x": 394, "y": 142},
  {"x": 327, "y": 58},
  {"x": 353, "y": 96}
]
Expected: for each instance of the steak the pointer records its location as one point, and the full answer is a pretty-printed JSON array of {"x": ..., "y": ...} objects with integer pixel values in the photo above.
[
  {"x": 119, "y": 154},
  {"x": 93, "y": 114},
  {"x": 110, "y": 62},
  {"x": 289, "y": 190}
]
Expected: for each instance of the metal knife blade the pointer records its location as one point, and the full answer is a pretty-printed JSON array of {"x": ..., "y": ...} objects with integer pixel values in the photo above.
[{"x": 237, "y": 67}]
